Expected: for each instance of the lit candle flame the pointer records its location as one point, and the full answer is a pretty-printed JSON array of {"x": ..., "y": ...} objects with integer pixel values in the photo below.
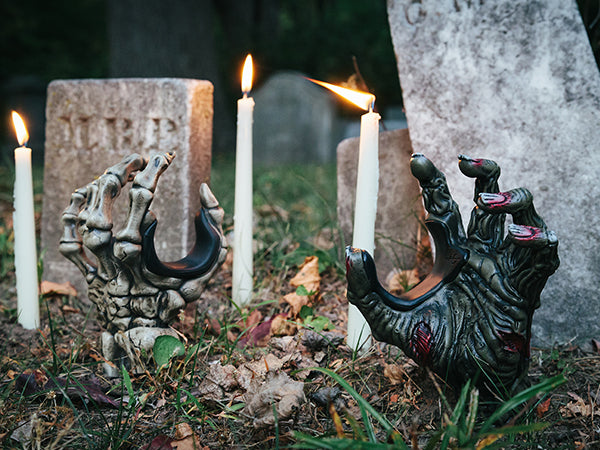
[
  {"x": 20, "y": 129},
  {"x": 247, "y": 75},
  {"x": 361, "y": 99}
]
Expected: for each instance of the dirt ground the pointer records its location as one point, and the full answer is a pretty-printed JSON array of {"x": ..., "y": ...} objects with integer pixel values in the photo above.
[{"x": 53, "y": 393}]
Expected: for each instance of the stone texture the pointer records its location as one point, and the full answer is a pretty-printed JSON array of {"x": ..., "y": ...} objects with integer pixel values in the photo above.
[
  {"x": 514, "y": 81},
  {"x": 399, "y": 204},
  {"x": 293, "y": 121},
  {"x": 92, "y": 124}
]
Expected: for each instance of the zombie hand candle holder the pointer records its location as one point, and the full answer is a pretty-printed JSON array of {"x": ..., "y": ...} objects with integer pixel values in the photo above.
[
  {"x": 471, "y": 316},
  {"x": 137, "y": 295}
]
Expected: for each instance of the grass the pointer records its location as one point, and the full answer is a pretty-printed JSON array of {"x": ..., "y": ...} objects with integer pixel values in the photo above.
[{"x": 53, "y": 393}]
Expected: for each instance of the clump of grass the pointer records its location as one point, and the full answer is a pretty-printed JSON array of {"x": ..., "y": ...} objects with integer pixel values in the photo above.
[{"x": 459, "y": 430}]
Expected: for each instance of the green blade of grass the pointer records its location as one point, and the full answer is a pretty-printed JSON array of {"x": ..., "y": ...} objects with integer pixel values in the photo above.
[
  {"x": 521, "y": 397},
  {"x": 363, "y": 404}
]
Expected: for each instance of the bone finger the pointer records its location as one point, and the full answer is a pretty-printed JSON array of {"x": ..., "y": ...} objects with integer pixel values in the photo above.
[
  {"x": 534, "y": 237},
  {"x": 211, "y": 204},
  {"x": 98, "y": 241},
  {"x": 124, "y": 169},
  {"x": 100, "y": 244},
  {"x": 148, "y": 178},
  {"x": 207, "y": 198},
  {"x": 109, "y": 188},
  {"x": 91, "y": 191},
  {"x": 71, "y": 243},
  {"x": 130, "y": 255},
  {"x": 141, "y": 195},
  {"x": 100, "y": 216}
]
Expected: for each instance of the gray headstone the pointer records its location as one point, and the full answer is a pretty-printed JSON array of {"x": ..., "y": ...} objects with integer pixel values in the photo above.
[
  {"x": 293, "y": 121},
  {"x": 514, "y": 81},
  {"x": 93, "y": 124},
  {"x": 399, "y": 205}
]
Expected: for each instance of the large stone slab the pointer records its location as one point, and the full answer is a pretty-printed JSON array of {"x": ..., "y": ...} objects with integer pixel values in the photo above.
[
  {"x": 293, "y": 121},
  {"x": 92, "y": 124},
  {"x": 399, "y": 206},
  {"x": 514, "y": 81}
]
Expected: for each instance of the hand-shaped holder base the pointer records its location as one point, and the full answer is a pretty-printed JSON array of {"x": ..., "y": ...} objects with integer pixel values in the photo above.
[
  {"x": 137, "y": 295},
  {"x": 470, "y": 318}
]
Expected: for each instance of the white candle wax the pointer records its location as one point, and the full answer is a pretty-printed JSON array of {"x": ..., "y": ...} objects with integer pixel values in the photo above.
[
  {"x": 242, "y": 216},
  {"x": 365, "y": 210},
  {"x": 25, "y": 245}
]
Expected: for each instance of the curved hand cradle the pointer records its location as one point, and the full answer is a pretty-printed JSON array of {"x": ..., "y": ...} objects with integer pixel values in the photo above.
[
  {"x": 449, "y": 259},
  {"x": 198, "y": 261}
]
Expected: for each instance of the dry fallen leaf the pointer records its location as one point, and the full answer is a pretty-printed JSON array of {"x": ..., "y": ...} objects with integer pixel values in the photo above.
[
  {"x": 394, "y": 373},
  {"x": 296, "y": 302},
  {"x": 543, "y": 407},
  {"x": 277, "y": 389},
  {"x": 66, "y": 309},
  {"x": 281, "y": 326},
  {"x": 308, "y": 275},
  {"x": 189, "y": 443},
  {"x": 578, "y": 407},
  {"x": 253, "y": 319},
  {"x": 52, "y": 288},
  {"x": 183, "y": 430},
  {"x": 489, "y": 440}
]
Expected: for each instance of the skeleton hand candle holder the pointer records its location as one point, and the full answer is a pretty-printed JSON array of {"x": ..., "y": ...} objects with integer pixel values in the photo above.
[
  {"x": 471, "y": 316},
  {"x": 137, "y": 295}
]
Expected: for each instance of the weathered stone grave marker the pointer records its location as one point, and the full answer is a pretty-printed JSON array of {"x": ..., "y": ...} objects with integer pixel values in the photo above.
[
  {"x": 398, "y": 205},
  {"x": 293, "y": 121},
  {"x": 514, "y": 81},
  {"x": 92, "y": 124}
]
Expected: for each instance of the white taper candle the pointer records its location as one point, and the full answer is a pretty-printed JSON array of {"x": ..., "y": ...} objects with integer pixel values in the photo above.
[
  {"x": 24, "y": 231},
  {"x": 242, "y": 217},
  {"x": 365, "y": 210}
]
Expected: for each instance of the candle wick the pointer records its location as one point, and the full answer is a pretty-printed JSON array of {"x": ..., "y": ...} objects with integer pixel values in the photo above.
[
  {"x": 372, "y": 106},
  {"x": 245, "y": 94}
]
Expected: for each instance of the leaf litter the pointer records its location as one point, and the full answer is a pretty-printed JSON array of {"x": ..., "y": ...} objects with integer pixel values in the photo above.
[{"x": 251, "y": 383}]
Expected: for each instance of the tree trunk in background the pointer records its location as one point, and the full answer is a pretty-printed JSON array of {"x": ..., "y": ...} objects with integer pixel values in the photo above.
[{"x": 155, "y": 38}]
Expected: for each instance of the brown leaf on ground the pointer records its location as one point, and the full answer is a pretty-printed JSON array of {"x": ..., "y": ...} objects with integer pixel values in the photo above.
[
  {"x": 542, "y": 408},
  {"x": 282, "y": 326},
  {"x": 296, "y": 302},
  {"x": 257, "y": 336},
  {"x": 183, "y": 430},
  {"x": 394, "y": 373},
  {"x": 251, "y": 320},
  {"x": 308, "y": 275},
  {"x": 189, "y": 443},
  {"x": 277, "y": 389},
  {"x": 160, "y": 442},
  {"x": 66, "y": 309},
  {"x": 578, "y": 407},
  {"x": 212, "y": 326},
  {"x": 38, "y": 384},
  {"x": 50, "y": 288}
]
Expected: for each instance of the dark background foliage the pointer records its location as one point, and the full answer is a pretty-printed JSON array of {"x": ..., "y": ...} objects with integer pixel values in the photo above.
[{"x": 205, "y": 39}]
